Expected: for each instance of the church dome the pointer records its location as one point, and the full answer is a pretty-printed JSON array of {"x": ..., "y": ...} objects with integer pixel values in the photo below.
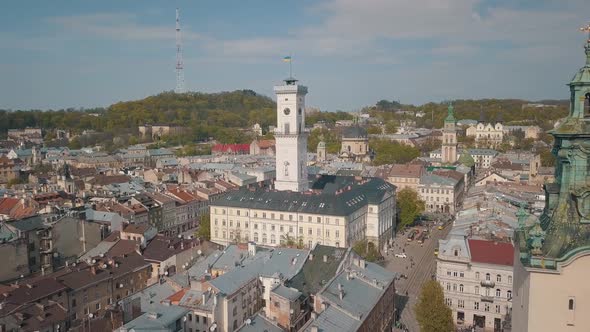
[
  {"x": 466, "y": 159},
  {"x": 583, "y": 75},
  {"x": 354, "y": 132}
]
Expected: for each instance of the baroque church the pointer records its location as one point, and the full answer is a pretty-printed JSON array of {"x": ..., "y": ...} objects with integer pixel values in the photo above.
[{"x": 552, "y": 263}]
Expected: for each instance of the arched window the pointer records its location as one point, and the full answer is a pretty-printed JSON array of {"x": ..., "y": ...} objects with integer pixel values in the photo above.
[
  {"x": 587, "y": 105},
  {"x": 498, "y": 292},
  {"x": 570, "y": 305},
  {"x": 461, "y": 288},
  {"x": 487, "y": 276},
  {"x": 509, "y": 295},
  {"x": 498, "y": 278}
]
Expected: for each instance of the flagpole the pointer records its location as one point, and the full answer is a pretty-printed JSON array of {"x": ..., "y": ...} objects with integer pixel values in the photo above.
[{"x": 290, "y": 66}]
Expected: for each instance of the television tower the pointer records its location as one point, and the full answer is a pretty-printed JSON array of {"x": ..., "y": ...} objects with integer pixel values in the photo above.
[{"x": 179, "y": 63}]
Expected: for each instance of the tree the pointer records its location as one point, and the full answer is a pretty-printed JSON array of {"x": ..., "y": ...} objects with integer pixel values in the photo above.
[
  {"x": 204, "y": 230},
  {"x": 391, "y": 127},
  {"x": 374, "y": 130},
  {"x": 547, "y": 158},
  {"x": 288, "y": 240},
  {"x": 367, "y": 250},
  {"x": 410, "y": 205},
  {"x": 432, "y": 313},
  {"x": 387, "y": 152}
]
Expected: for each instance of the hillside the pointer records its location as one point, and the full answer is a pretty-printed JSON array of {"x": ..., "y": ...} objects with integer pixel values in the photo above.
[{"x": 510, "y": 111}]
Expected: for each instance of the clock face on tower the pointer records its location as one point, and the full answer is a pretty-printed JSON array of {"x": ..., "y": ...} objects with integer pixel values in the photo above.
[{"x": 286, "y": 111}]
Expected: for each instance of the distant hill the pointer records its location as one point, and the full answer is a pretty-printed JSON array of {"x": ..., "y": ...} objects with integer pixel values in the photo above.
[{"x": 510, "y": 111}]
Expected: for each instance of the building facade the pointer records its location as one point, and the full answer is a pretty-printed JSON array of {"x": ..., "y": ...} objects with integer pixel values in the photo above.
[{"x": 476, "y": 276}]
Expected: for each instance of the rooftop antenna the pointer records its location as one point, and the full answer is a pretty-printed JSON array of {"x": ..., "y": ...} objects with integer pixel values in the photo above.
[{"x": 179, "y": 63}]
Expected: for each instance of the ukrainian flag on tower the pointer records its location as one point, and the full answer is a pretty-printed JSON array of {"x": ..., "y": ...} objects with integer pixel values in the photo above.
[{"x": 287, "y": 59}]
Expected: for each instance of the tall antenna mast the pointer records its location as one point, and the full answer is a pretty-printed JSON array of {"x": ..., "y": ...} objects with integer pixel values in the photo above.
[{"x": 179, "y": 63}]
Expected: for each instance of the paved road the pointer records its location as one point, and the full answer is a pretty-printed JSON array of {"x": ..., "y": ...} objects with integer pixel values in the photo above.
[{"x": 419, "y": 267}]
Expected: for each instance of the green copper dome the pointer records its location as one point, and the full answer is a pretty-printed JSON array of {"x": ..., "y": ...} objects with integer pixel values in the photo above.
[
  {"x": 450, "y": 114},
  {"x": 583, "y": 75},
  {"x": 466, "y": 159}
]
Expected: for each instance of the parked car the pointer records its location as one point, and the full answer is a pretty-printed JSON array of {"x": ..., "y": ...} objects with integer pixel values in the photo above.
[{"x": 401, "y": 255}]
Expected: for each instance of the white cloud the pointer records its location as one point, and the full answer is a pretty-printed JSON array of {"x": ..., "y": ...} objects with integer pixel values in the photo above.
[{"x": 355, "y": 28}]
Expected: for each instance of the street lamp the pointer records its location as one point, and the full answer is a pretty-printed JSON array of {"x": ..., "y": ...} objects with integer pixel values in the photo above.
[{"x": 90, "y": 316}]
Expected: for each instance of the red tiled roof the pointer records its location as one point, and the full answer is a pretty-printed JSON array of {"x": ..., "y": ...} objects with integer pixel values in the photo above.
[
  {"x": 406, "y": 170},
  {"x": 136, "y": 228},
  {"x": 235, "y": 148},
  {"x": 7, "y": 204},
  {"x": 490, "y": 252}
]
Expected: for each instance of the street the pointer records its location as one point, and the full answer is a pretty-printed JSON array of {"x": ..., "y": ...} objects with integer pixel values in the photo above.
[{"x": 419, "y": 267}]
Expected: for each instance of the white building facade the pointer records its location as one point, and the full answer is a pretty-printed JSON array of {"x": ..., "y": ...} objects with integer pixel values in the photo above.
[{"x": 476, "y": 276}]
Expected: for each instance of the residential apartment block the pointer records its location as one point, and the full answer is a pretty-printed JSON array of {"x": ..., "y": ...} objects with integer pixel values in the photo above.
[{"x": 476, "y": 276}]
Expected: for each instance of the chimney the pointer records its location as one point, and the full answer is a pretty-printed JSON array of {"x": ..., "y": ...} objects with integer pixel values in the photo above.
[
  {"x": 325, "y": 258},
  {"x": 203, "y": 299},
  {"x": 251, "y": 248},
  {"x": 341, "y": 294},
  {"x": 311, "y": 257},
  {"x": 362, "y": 263},
  {"x": 339, "y": 287}
]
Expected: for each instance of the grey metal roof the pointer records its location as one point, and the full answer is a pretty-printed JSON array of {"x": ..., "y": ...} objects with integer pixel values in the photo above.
[
  {"x": 333, "y": 319},
  {"x": 488, "y": 152},
  {"x": 151, "y": 296},
  {"x": 432, "y": 179},
  {"x": 259, "y": 323},
  {"x": 283, "y": 262},
  {"x": 28, "y": 224},
  {"x": 288, "y": 293},
  {"x": 338, "y": 196},
  {"x": 315, "y": 273},
  {"x": 166, "y": 316}
]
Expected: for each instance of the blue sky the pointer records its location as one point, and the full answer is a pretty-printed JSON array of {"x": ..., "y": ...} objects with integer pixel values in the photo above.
[{"x": 350, "y": 53}]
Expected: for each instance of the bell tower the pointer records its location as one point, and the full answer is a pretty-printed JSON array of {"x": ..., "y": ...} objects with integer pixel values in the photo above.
[
  {"x": 449, "y": 145},
  {"x": 291, "y": 137}
]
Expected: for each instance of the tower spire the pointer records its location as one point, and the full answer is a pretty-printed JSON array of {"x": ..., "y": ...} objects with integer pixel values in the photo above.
[
  {"x": 179, "y": 62},
  {"x": 586, "y": 29}
]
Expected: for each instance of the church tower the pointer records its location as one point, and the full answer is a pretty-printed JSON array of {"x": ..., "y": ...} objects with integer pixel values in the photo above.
[
  {"x": 449, "y": 145},
  {"x": 291, "y": 137},
  {"x": 321, "y": 151},
  {"x": 552, "y": 260}
]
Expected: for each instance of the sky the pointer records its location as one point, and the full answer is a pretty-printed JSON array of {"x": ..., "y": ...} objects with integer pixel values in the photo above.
[{"x": 350, "y": 53}]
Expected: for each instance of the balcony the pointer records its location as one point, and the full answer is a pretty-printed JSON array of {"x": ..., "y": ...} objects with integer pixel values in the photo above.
[
  {"x": 487, "y": 298},
  {"x": 488, "y": 283}
]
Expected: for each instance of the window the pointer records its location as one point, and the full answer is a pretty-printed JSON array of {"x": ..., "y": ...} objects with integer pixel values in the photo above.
[
  {"x": 488, "y": 277},
  {"x": 497, "y": 308},
  {"x": 498, "y": 292},
  {"x": 570, "y": 304},
  {"x": 486, "y": 307},
  {"x": 272, "y": 216},
  {"x": 498, "y": 278},
  {"x": 255, "y": 226},
  {"x": 319, "y": 219},
  {"x": 238, "y": 212},
  {"x": 272, "y": 228},
  {"x": 255, "y": 237},
  {"x": 509, "y": 279},
  {"x": 461, "y": 288},
  {"x": 300, "y": 230},
  {"x": 476, "y": 305},
  {"x": 337, "y": 234},
  {"x": 309, "y": 218},
  {"x": 281, "y": 228},
  {"x": 477, "y": 290},
  {"x": 327, "y": 233},
  {"x": 277, "y": 304},
  {"x": 454, "y": 287},
  {"x": 449, "y": 273},
  {"x": 98, "y": 306},
  {"x": 281, "y": 216},
  {"x": 454, "y": 274},
  {"x": 235, "y": 311},
  {"x": 461, "y": 275},
  {"x": 318, "y": 232},
  {"x": 309, "y": 231},
  {"x": 509, "y": 295},
  {"x": 461, "y": 303},
  {"x": 476, "y": 275},
  {"x": 290, "y": 229},
  {"x": 449, "y": 286}
]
